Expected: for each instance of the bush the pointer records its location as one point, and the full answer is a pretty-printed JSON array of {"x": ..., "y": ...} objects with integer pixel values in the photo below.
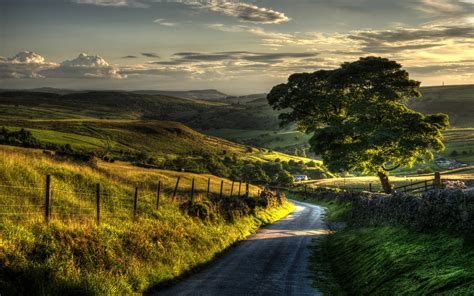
[
  {"x": 22, "y": 138},
  {"x": 199, "y": 210}
]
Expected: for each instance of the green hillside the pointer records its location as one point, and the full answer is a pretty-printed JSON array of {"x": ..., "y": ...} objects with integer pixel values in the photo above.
[
  {"x": 457, "y": 101},
  {"x": 196, "y": 113},
  {"x": 160, "y": 144}
]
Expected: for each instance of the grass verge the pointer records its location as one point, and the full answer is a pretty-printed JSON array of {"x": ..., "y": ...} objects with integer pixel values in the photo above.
[
  {"x": 77, "y": 259},
  {"x": 394, "y": 260},
  {"x": 390, "y": 260}
]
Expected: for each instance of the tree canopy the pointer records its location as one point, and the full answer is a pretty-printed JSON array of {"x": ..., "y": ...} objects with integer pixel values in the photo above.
[{"x": 359, "y": 118}]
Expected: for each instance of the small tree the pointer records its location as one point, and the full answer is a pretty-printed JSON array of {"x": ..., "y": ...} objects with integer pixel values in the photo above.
[{"x": 359, "y": 117}]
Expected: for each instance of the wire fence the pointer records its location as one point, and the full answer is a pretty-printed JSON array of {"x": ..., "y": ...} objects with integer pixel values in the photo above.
[{"x": 55, "y": 201}]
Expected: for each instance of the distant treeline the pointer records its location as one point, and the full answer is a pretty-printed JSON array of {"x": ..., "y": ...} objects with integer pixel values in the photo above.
[{"x": 24, "y": 138}]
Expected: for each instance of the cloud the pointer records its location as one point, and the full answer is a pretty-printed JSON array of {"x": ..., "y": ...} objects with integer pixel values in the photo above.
[
  {"x": 163, "y": 22},
  {"x": 130, "y": 57},
  {"x": 85, "y": 66},
  {"x": 248, "y": 12},
  {"x": 269, "y": 58},
  {"x": 245, "y": 12},
  {"x": 363, "y": 42},
  {"x": 445, "y": 7},
  {"x": 150, "y": 55},
  {"x": 25, "y": 64},
  {"x": 443, "y": 69},
  {"x": 383, "y": 41},
  {"x": 114, "y": 3}
]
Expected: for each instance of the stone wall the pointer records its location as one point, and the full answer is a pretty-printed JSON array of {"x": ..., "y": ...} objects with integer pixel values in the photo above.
[{"x": 436, "y": 209}]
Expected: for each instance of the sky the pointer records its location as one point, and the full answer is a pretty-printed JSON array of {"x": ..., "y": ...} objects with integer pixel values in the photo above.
[{"x": 238, "y": 47}]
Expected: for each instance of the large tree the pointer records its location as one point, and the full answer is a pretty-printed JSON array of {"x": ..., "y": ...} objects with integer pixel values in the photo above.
[{"x": 359, "y": 118}]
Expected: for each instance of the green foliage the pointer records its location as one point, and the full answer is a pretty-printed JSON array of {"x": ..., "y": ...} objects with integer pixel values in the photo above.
[
  {"x": 358, "y": 116},
  {"x": 284, "y": 178},
  {"x": 22, "y": 138}
]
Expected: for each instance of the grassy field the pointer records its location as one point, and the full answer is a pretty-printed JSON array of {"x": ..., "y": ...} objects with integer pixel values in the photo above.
[
  {"x": 457, "y": 101},
  {"x": 282, "y": 140},
  {"x": 74, "y": 256},
  {"x": 362, "y": 183},
  {"x": 460, "y": 140}
]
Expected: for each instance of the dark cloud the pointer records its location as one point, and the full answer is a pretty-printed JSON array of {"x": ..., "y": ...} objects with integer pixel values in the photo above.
[
  {"x": 187, "y": 57},
  {"x": 443, "y": 69},
  {"x": 150, "y": 55},
  {"x": 129, "y": 57},
  {"x": 397, "y": 40}
]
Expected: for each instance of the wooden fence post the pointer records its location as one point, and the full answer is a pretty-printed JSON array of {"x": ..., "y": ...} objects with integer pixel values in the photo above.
[
  {"x": 208, "y": 187},
  {"x": 47, "y": 196},
  {"x": 247, "y": 189},
  {"x": 135, "y": 204},
  {"x": 426, "y": 185},
  {"x": 97, "y": 203},
  {"x": 370, "y": 187},
  {"x": 222, "y": 188},
  {"x": 176, "y": 188},
  {"x": 232, "y": 189},
  {"x": 158, "y": 192},
  {"x": 437, "y": 180},
  {"x": 240, "y": 185},
  {"x": 192, "y": 191}
]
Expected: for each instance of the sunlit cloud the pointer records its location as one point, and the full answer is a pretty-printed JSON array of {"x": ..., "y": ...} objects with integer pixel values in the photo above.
[
  {"x": 163, "y": 22},
  {"x": 114, "y": 3}
]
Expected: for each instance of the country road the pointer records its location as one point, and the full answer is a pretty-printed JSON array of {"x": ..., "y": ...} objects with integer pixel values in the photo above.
[{"x": 271, "y": 262}]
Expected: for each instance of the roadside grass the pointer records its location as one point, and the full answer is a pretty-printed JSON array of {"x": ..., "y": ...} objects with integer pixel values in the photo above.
[
  {"x": 74, "y": 256},
  {"x": 320, "y": 268},
  {"x": 389, "y": 260},
  {"x": 335, "y": 211},
  {"x": 395, "y": 260}
]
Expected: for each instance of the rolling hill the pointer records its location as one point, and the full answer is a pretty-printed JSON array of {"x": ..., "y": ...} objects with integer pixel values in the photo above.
[
  {"x": 195, "y": 113},
  {"x": 457, "y": 101}
]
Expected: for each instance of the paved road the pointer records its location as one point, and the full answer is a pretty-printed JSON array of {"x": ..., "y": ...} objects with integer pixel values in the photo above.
[{"x": 271, "y": 262}]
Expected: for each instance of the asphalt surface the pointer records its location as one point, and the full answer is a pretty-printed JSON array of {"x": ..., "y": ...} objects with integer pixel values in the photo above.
[{"x": 271, "y": 262}]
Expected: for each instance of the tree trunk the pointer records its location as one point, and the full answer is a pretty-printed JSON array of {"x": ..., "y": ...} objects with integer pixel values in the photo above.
[{"x": 385, "y": 182}]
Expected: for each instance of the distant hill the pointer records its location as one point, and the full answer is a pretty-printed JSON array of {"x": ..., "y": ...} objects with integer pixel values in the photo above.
[
  {"x": 456, "y": 100},
  {"x": 52, "y": 90},
  {"x": 197, "y": 113},
  {"x": 202, "y": 109},
  {"x": 207, "y": 94}
]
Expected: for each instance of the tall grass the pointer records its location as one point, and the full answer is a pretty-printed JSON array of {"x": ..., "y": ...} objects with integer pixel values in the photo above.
[{"x": 73, "y": 256}]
